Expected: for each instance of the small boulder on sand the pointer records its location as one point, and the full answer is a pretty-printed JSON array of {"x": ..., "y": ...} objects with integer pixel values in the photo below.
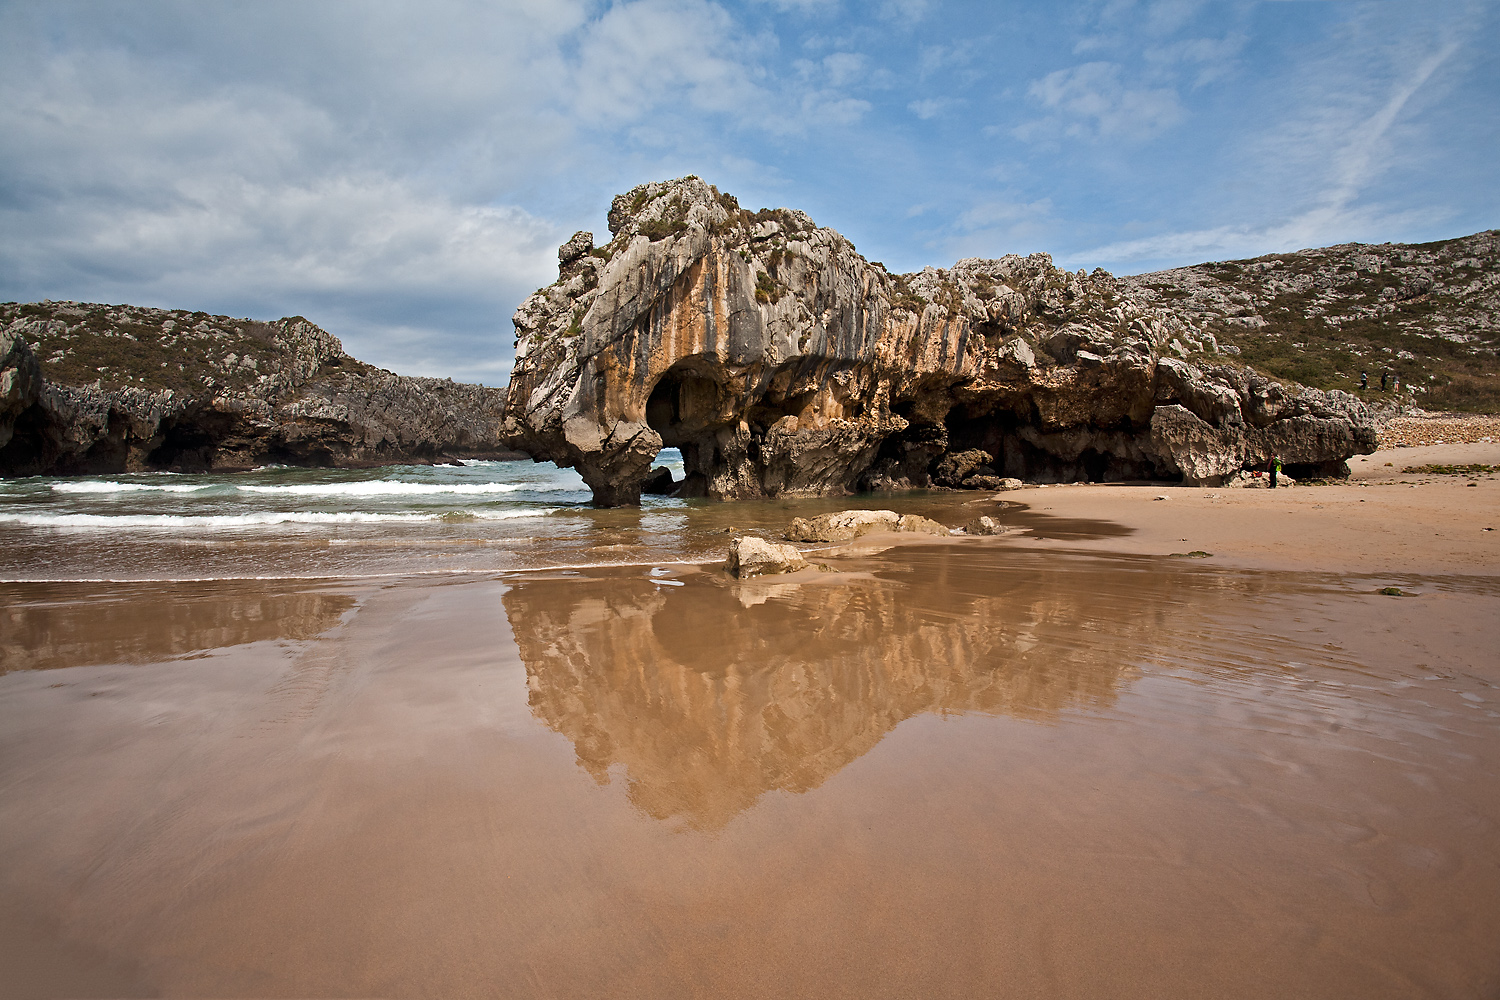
[
  {"x": 750, "y": 556},
  {"x": 844, "y": 525},
  {"x": 984, "y": 526},
  {"x": 920, "y": 525}
]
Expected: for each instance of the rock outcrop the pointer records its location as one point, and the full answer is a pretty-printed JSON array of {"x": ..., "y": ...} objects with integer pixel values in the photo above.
[
  {"x": 1427, "y": 314},
  {"x": 780, "y": 361},
  {"x": 90, "y": 389}
]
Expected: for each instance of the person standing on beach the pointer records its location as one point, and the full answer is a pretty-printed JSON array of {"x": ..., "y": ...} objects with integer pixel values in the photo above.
[{"x": 1274, "y": 468}]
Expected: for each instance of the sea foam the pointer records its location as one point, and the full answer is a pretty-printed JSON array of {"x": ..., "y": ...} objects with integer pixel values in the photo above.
[
  {"x": 248, "y": 520},
  {"x": 394, "y": 488},
  {"x": 107, "y": 486}
]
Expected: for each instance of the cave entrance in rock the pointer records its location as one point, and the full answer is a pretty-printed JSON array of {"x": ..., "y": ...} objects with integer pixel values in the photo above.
[{"x": 686, "y": 408}]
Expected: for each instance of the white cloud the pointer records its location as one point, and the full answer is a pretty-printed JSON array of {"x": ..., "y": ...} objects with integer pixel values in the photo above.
[
  {"x": 843, "y": 68},
  {"x": 1092, "y": 101},
  {"x": 829, "y": 107},
  {"x": 643, "y": 54},
  {"x": 908, "y": 11},
  {"x": 930, "y": 107},
  {"x": 1000, "y": 212},
  {"x": 1337, "y": 148}
]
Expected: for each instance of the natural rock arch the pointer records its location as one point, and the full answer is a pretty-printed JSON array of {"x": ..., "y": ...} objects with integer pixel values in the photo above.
[{"x": 782, "y": 362}]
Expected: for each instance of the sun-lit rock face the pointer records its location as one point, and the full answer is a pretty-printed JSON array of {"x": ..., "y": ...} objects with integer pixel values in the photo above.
[{"x": 780, "y": 361}]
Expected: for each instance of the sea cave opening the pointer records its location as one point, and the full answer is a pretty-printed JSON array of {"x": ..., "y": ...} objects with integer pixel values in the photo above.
[{"x": 685, "y": 409}]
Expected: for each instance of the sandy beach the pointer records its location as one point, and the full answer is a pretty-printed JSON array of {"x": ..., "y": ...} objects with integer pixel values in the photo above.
[{"x": 1066, "y": 761}]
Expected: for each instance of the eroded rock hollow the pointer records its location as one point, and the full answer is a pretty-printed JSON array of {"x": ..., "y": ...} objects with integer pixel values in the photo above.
[{"x": 780, "y": 361}]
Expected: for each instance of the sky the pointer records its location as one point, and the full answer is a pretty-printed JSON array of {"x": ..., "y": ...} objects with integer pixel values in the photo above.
[{"x": 402, "y": 173}]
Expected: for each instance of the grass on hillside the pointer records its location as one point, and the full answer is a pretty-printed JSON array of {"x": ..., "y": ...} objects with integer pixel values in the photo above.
[{"x": 1330, "y": 351}]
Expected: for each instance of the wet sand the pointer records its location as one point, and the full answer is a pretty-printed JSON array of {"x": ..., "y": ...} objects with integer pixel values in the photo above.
[
  {"x": 1056, "y": 763},
  {"x": 1383, "y": 521}
]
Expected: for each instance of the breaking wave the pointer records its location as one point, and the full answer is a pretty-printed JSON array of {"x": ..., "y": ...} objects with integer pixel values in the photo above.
[
  {"x": 107, "y": 486},
  {"x": 395, "y": 488},
  {"x": 251, "y": 520}
]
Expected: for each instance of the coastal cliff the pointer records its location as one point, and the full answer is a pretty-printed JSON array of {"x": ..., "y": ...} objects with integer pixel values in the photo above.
[
  {"x": 88, "y": 388},
  {"x": 780, "y": 361}
]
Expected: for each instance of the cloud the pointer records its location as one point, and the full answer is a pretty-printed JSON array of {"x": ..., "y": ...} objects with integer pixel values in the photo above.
[
  {"x": 1214, "y": 57},
  {"x": 930, "y": 107},
  {"x": 403, "y": 174},
  {"x": 829, "y": 107},
  {"x": 843, "y": 68},
  {"x": 1338, "y": 149},
  {"x": 908, "y": 11},
  {"x": 640, "y": 55},
  {"x": 997, "y": 212},
  {"x": 1091, "y": 101}
]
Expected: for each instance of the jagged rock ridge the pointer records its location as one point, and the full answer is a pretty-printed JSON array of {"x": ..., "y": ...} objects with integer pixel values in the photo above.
[
  {"x": 1427, "y": 314},
  {"x": 88, "y": 388},
  {"x": 780, "y": 361}
]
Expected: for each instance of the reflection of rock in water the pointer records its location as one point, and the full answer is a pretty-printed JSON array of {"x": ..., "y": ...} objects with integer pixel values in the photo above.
[
  {"x": 710, "y": 695},
  {"x": 45, "y": 626}
]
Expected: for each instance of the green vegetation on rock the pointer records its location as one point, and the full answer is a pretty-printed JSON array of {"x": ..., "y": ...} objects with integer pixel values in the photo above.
[{"x": 1425, "y": 314}]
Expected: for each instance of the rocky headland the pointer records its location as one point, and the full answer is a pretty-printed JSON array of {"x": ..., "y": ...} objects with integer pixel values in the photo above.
[
  {"x": 1426, "y": 315},
  {"x": 781, "y": 361},
  {"x": 88, "y": 388}
]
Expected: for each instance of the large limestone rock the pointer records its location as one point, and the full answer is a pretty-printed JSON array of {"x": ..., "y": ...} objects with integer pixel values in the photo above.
[
  {"x": 782, "y": 362},
  {"x": 88, "y": 388}
]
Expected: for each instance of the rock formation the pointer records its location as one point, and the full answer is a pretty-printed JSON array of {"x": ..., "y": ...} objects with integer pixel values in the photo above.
[
  {"x": 89, "y": 389},
  {"x": 1427, "y": 313},
  {"x": 780, "y": 361}
]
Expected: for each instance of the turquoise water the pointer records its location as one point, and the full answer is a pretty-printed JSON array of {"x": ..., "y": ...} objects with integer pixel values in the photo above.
[
  {"x": 282, "y": 521},
  {"x": 401, "y": 520}
]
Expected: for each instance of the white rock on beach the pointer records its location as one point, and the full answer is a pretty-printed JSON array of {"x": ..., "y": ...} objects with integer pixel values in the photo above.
[
  {"x": 750, "y": 556},
  {"x": 843, "y": 525}
]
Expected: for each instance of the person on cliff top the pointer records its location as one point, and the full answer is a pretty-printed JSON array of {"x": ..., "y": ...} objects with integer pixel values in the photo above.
[
  {"x": 1364, "y": 380},
  {"x": 1385, "y": 380},
  {"x": 1274, "y": 468}
]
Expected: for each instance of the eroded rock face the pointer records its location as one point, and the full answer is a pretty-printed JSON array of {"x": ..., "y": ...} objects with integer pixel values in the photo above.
[
  {"x": 780, "y": 361},
  {"x": 87, "y": 388}
]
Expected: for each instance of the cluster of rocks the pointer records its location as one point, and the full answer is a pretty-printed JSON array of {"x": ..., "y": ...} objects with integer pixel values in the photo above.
[
  {"x": 1419, "y": 429},
  {"x": 88, "y": 388},
  {"x": 780, "y": 361}
]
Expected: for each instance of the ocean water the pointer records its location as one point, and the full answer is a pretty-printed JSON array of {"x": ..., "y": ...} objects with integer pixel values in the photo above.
[
  {"x": 283, "y": 522},
  {"x": 280, "y": 522}
]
